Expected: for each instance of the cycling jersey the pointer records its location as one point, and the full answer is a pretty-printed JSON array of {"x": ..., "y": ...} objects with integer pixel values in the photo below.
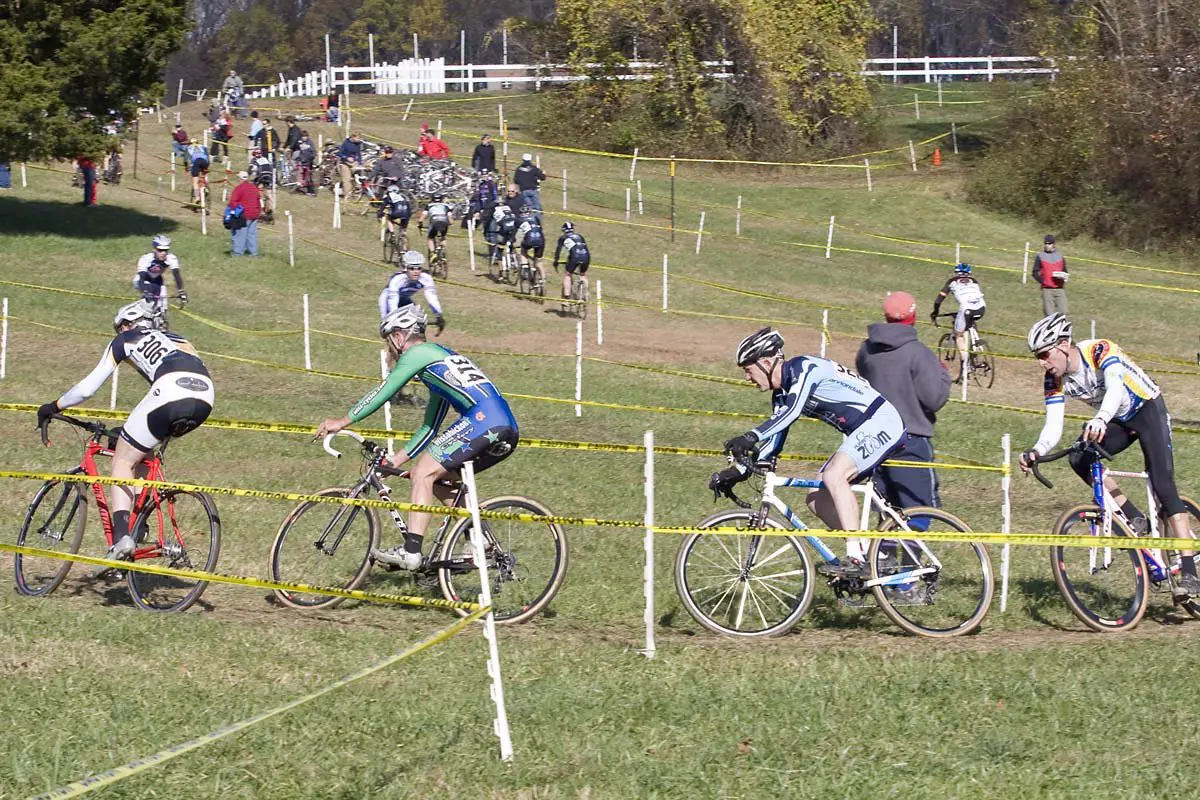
[
  {"x": 453, "y": 382},
  {"x": 529, "y": 234},
  {"x": 400, "y": 290},
  {"x": 505, "y": 223},
  {"x": 966, "y": 291},
  {"x": 1107, "y": 380},
  {"x": 396, "y": 206},
  {"x": 197, "y": 153},
  {"x": 438, "y": 212},
  {"x": 575, "y": 245},
  {"x": 149, "y": 276}
]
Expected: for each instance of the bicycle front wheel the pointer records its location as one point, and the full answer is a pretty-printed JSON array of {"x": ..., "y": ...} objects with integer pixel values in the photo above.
[
  {"x": 55, "y": 521},
  {"x": 983, "y": 365},
  {"x": 947, "y": 349},
  {"x": 526, "y": 562},
  {"x": 189, "y": 537},
  {"x": 934, "y": 589},
  {"x": 1106, "y": 588},
  {"x": 389, "y": 249},
  {"x": 513, "y": 271},
  {"x": 323, "y": 545},
  {"x": 745, "y": 585}
]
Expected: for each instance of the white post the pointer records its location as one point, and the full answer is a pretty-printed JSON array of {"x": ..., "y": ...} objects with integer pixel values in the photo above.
[
  {"x": 564, "y": 183},
  {"x": 633, "y": 164},
  {"x": 462, "y": 52},
  {"x": 641, "y": 208},
  {"x": 112, "y": 397},
  {"x": 337, "y": 205},
  {"x": 307, "y": 340},
  {"x": 829, "y": 238},
  {"x": 1025, "y": 265},
  {"x": 172, "y": 180},
  {"x": 225, "y": 195},
  {"x": 1005, "y": 518},
  {"x": 371, "y": 60},
  {"x": 179, "y": 94},
  {"x": 700, "y": 233},
  {"x": 939, "y": 85},
  {"x": 416, "y": 47},
  {"x": 867, "y": 164},
  {"x": 407, "y": 108},
  {"x": 471, "y": 242},
  {"x": 737, "y": 222},
  {"x": 387, "y": 407},
  {"x": 500, "y": 724},
  {"x": 629, "y": 205},
  {"x": 954, "y": 137},
  {"x": 958, "y": 252},
  {"x": 648, "y": 541},
  {"x": 320, "y": 143},
  {"x": 917, "y": 104},
  {"x": 328, "y": 68},
  {"x": 500, "y": 115},
  {"x": 912, "y": 155},
  {"x": 599, "y": 313},
  {"x": 203, "y": 216},
  {"x": 895, "y": 53},
  {"x": 439, "y": 135},
  {"x": 578, "y": 367},
  {"x": 291, "y": 240},
  {"x": 824, "y": 330},
  {"x": 3, "y": 338},
  {"x": 25, "y": 178},
  {"x": 966, "y": 373},
  {"x": 1093, "y": 336},
  {"x": 664, "y": 282}
]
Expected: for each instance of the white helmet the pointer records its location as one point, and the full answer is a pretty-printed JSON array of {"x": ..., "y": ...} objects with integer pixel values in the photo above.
[
  {"x": 133, "y": 313},
  {"x": 1047, "y": 332},
  {"x": 760, "y": 344},
  {"x": 413, "y": 260},
  {"x": 394, "y": 191},
  {"x": 405, "y": 318},
  {"x": 161, "y": 242}
]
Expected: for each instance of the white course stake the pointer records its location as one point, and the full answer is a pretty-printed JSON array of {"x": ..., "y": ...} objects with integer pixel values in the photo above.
[
  {"x": 957, "y": 252},
  {"x": 629, "y": 203},
  {"x": 172, "y": 181},
  {"x": 307, "y": 339},
  {"x": 824, "y": 330},
  {"x": 1093, "y": 336},
  {"x": 3, "y": 338},
  {"x": 599, "y": 314},
  {"x": 700, "y": 233},
  {"x": 917, "y": 104},
  {"x": 664, "y": 282},
  {"x": 500, "y": 115},
  {"x": 203, "y": 216},
  {"x": 112, "y": 397},
  {"x": 500, "y": 724},
  {"x": 225, "y": 195},
  {"x": 737, "y": 220},
  {"x": 939, "y": 85},
  {"x": 966, "y": 372},
  {"x": 24, "y": 180},
  {"x": 829, "y": 238},
  {"x": 867, "y": 164},
  {"x": 337, "y": 206},
  {"x": 439, "y": 132},
  {"x": 633, "y": 164},
  {"x": 578, "y": 367},
  {"x": 564, "y": 183},
  {"x": 912, "y": 155},
  {"x": 954, "y": 137},
  {"x": 1025, "y": 265},
  {"x": 641, "y": 208},
  {"x": 407, "y": 109},
  {"x": 1005, "y": 518},
  {"x": 291, "y": 240},
  {"x": 648, "y": 576},
  {"x": 471, "y": 242},
  {"x": 387, "y": 407}
]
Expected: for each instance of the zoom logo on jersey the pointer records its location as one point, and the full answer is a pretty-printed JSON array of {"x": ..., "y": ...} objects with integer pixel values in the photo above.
[
  {"x": 867, "y": 444},
  {"x": 191, "y": 384}
]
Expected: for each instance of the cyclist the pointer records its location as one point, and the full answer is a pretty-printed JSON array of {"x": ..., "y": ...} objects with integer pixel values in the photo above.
[
  {"x": 824, "y": 390},
  {"x": 578, "y": 257},
  {"x": 971, "y": 307},
  {"x": 180, "y": 399},
  {"x": 149, "y": 276},
  {"x": 198, "y": 166},
  {"x": 407, "y": 282},
  {"x": 485, "y": 432},
  {"x": 388, "y": 169},
  {"x": 504, "y": 229},
  {"x": 439, "y": 214},
  {"x": 397, "y": 208},
  {"x": 531, "y": 239},
  {"x": 1129, "y": 407}
]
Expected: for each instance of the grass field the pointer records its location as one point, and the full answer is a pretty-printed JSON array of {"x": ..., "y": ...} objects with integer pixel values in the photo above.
[{"x": 845, "y": 706}]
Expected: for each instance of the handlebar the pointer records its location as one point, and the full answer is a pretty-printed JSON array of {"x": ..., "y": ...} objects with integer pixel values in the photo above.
[
  {"x": 94, "y": 428},
  {"x": 1094, "y": 448},
  {"x": 329, "y": 438}
]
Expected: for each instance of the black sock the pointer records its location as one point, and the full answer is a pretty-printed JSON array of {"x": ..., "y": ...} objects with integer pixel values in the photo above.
[
  {"x": 412, "y": 543},
  {"x": 120, "y": 525},
  {"x": 1187, "y": 564},
  {"x": 1130, "y": 510}
]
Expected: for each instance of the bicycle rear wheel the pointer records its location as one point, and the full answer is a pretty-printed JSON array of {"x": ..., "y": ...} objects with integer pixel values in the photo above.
[
  {"x": 1193, "y": 511},
  {"x": 512, "y": 275},
  {"x": 747, "y": 586},
  {"x": 983, "y": 365},
  {"x": 54, "y": 521},
  {"x": 188, "y": 533},
  {"x": 1105, "y": 588},
  {"x": 323, "y": 545},
  {"x": 947, "y": 349},
  {"x": 581, "y": 294},
  {"x": 526, "y": 562},
  {"x": 389, "y": 249},
  {"x": 934, "y": 589}
]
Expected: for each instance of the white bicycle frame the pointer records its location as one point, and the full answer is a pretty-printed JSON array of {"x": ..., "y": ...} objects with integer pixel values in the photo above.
[{"x": 1111, "y": 508}]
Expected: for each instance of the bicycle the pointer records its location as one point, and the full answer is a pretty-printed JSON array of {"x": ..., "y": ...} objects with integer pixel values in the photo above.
[
  {"x": 395, "y": 243},
  {"x": 439, "y": 266},
  {"x": 157, "y": 306},
  {"x": 526, "y": 564},
  {"x": 580, "y": 296},
  {"x": 981, "y": 364},
  {"x": 184, "y": 528},
  {"x": 1110, "y": 592},
  {"x": 530, "y": 279},
  {"x": 502, "y": 265},
  {"x": 752, "y": 585}
]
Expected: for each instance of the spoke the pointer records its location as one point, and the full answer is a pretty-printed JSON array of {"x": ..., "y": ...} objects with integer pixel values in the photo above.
[
  {"x": 741, "y": 612},
  {"x": 778, "y": 594},
  {"x": 786, "y": 548},
  {"x": 736, "y": 559}
]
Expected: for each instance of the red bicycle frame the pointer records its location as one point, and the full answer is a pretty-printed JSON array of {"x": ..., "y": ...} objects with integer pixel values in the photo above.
[{"x": 154, "y": 467}]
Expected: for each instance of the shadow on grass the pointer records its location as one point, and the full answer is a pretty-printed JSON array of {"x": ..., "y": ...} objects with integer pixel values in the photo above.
[
  {"x": 1040, "y": 595},
  {"x": 35, "y": 217}
]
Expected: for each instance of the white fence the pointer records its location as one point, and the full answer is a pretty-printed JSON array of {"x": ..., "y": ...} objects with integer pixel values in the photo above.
[{"x": 932, "y": 70}]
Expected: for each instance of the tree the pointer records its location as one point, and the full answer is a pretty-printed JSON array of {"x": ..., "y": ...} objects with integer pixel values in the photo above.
[
  {"x": 256, "y": 44},
  {"x": 69, "y": 64}
]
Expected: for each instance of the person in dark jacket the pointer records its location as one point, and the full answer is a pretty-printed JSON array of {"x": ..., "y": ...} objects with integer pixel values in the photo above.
[
  {"x": 1050, "y": 271},
  {"x": 528, "y": 177},
  {"x": 484, "y": 157},
  {"x": 913, "y": 379}
]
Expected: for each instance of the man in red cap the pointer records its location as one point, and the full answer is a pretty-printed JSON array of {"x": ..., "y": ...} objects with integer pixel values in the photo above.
[{"x": 913, "y": 379}]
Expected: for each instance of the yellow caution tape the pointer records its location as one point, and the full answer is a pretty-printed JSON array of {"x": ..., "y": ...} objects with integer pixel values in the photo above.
[{"x": 221, "y": 326}]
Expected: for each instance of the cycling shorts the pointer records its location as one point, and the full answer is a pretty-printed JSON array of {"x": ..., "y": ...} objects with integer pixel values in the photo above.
[
  {"x": 578, "y": 261},
  {"x": 177, "y": 403},
  {"x": 869, "y": 445},
  {"x": 535, "y": 243},
  {"x": 485, "y": 442},
  {"x": 199, "y": 167},
  {"x": 967, "y": 317},
  {"x": 438, "y": 227},
  {"x": 402, "y": 220}
]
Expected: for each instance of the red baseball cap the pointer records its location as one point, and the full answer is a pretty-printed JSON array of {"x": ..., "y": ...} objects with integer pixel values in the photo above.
[
  {"x": 900, "y": 307},
  {"x": 424, "y": 126}
]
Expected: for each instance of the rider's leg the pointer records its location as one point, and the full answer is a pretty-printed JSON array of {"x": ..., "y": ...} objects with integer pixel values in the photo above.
[
  {"x": 566, "y": 284},
  {"x": 424, "y": 474},
  {"x": 1116, "y": 439},
  {"x": 834, "y": 502},
  {"x": 125, "y": 464}
]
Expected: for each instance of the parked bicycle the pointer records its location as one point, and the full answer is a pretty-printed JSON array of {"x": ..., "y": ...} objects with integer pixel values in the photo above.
[
  {"x": 753, "y": 584},
  {"x": 332, "y": 545},
  {"x": 981, "y": 364},
  {"x": 173, "y": 528},
  {"x": 1108, "y": 589}
]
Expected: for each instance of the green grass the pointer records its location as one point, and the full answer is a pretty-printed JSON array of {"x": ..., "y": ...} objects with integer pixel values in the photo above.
[{"x": 844, "y": 706}]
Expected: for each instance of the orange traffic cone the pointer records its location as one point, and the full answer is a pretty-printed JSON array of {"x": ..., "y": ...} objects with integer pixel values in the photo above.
[{"x": 937, "y": 156}]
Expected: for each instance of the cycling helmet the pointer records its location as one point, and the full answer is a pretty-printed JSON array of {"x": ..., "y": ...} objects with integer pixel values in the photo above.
[
  {"x": 413, "y": 260},
  {"x": 760, "y": 344},
  {"x": 525, "y": 211},
  {"x": 962, "y": 269},
  {"x": 161, "y": 242},
  {"x": 133, "y": 313},
  {"x": 1047, "y": 332},
  {"x": 408, "y": 317},
  {"x": 394, "y": 191},
  {"x": 568, "y": 227},
  {"x": 438, "y": 197}
]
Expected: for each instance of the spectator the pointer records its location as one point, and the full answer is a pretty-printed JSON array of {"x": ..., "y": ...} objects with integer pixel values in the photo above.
[
  {"x": 528, "y": 177},
  {"x": 246, "y": 195},
  {"x": 387, "y": 168},
  {"x": 483, "y": 199},
  {"x": 306, "y": 155},
  {"x": 484, "y": 157},
  {"x": 349, "y": 156},
  {"x": 330, "y": 104},
  {"x": 432, "y": 147},
  {"x": 1050, "y": 270},
  {"x": 222, "y": 132},
  {"x": 235, "y": 93},
  {"x": 917, "y": 383},
  {"x": 255, "y": 126},
  {"x": 87, "y": 168},
  {"x": 267, "y": 141},
  {"x": 179, "y": 143},
  {"x": 5, "y": 175},
  {"x": 293, "y": 136}
]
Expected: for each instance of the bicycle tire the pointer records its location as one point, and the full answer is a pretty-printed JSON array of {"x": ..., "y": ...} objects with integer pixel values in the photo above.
[
  {"x": 322, "y": 570},
  {"x": 199, "y": 549},
  {"x": 1091, "y": 588},
  {"x": 514, "y": 269},
  {"x": 389, "y": 249},
  {"x": 947, "y": 349},
  {"x": 512, "y": 602},
  {"x": 38, "y": 577},
  {"x": 983, "y": 365},
  {"x": 582, "y": 295},
  {"x": 1191, "y": 606},
  {"x": 693, "y": 581},
  {"x": 963, "y": 579},
  {"x": 525, "y": 280}
]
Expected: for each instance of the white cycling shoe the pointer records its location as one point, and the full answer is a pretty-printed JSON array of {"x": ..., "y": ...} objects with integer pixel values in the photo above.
[{"x": 399, "y": 557}]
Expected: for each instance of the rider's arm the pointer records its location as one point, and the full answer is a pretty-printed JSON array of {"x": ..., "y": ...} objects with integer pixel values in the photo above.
[
  {"x": 1056, "y": 410},
  {"x": 407, "y": 367},
  {"x": 431, "y": 295},
  {"x": 792, "y": 404},
  {"x": 558, "y": 250},
  {"x": 435, "y": 414},
  {"x": 1114, "y": 388},
  {"x": 173, "y": 263},
  {"x": 937, "y": 303},
  {"x": 389, "y": 298},
  {"x": 92, "y": 383}
]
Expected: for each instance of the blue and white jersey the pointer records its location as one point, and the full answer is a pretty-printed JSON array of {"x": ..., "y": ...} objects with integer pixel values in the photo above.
[
  {"x": 400, "y": 290},
  {"x": 820, "y": 389}
]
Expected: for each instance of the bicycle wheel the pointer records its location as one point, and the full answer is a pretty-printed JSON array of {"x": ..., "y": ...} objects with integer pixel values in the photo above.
[
  {"x": 581, "y": 294},
  {"x": 389, "y": 249},
  {"x": 513, "y": 269},
  {"x": 539, "y": 284},
  {"x": 1193, "y": 511},
  {"x": 187, "y": 535},
  {"x": 934, "y": 589},
  {"x": 54, "y": 521},
  {"x": 526, "y": 562},
  {"x": 525, "y": 280},
  {"x": 323, "y": 545},
  {"x": 1105, "y": 588},
  {"x": 747, "y": 586},
  {"x": 983, "y": 365},
  {"x": 947, "y": 349}
]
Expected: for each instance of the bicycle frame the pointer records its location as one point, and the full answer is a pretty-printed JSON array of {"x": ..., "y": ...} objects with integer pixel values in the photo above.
[
  {"x": 147, "y": 494},
  {"x": 1155, "y": 559}
]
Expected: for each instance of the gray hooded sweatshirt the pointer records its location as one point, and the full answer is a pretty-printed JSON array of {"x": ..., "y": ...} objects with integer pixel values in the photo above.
[{"x": 907, "y": 373}]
